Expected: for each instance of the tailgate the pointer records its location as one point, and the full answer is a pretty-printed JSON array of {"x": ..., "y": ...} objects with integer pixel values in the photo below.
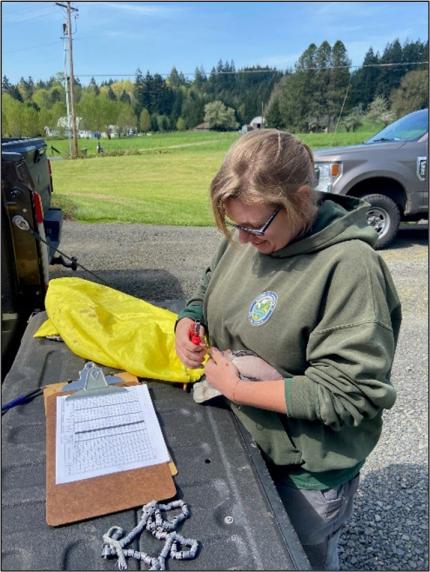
[
  {"x": 236, "y": 513},
  {"x": 34, "y": 153}
]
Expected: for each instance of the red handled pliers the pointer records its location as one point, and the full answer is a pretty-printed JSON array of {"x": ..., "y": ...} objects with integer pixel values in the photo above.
[{"x": 194, "y": 333}]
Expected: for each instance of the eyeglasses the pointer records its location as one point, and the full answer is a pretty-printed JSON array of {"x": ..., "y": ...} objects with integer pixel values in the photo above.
[{"x": 257, "y": 231}]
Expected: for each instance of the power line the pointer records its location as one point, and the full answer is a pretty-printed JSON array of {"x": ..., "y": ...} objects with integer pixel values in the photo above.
[{"x": 396, "y": 64}]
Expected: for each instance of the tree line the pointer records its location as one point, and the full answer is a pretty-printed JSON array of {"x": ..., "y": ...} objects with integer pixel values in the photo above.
[{"x": 314, "y": 95}]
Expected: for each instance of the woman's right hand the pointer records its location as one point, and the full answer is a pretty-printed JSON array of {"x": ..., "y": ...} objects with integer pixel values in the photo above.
[{"x": 191, "y": 355}]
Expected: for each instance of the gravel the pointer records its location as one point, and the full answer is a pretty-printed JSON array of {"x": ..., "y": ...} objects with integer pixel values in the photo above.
[{"x": 389, "y": 528}]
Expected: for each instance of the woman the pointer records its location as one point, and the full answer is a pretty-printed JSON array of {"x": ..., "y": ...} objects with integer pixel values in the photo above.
[{"x": 298, "y": 283}]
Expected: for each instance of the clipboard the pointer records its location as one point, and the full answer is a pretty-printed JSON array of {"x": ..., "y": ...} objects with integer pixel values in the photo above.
[{"x": 97, "y": 496}]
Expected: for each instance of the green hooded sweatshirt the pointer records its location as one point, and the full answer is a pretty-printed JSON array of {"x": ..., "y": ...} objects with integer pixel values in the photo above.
[{"x": 324, "y": 312}]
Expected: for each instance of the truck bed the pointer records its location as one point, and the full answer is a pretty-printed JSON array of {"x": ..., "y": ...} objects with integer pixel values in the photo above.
[{"x": 236, "y": 513}]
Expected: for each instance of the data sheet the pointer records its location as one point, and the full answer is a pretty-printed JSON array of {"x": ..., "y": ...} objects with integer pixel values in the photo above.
[{"x": 108, "y": 433}]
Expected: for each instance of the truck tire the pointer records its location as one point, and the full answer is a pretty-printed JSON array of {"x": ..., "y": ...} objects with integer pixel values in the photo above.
[{"x": 384, "y": 217}]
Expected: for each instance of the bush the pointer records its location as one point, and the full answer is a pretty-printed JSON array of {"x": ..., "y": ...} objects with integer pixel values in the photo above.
[{"x": 219, "y": 117}]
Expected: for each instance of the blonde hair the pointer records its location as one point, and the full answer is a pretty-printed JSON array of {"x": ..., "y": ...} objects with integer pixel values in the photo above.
[{"x": 267, "y": 166}]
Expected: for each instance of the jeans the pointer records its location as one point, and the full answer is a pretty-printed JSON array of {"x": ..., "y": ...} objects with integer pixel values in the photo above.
[{"x": 318, "y": 517}]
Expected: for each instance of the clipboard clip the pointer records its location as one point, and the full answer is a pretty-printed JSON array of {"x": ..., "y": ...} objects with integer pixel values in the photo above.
[{"x": 93, "y": 382}]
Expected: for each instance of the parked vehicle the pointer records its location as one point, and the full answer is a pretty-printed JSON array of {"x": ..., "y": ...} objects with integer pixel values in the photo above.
[
  {"x": 389, "y": 171},
  {"x": 30, "y": 234}
]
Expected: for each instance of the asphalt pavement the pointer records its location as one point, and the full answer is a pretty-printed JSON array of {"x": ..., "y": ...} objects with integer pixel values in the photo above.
[{"x": 389, "y": 529}]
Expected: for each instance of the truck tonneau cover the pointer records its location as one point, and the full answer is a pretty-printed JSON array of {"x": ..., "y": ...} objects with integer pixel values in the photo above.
[{"x": 221, "y": 474}]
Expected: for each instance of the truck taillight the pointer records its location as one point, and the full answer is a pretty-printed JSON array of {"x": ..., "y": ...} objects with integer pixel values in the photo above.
[{"x": 38, "y": 208}]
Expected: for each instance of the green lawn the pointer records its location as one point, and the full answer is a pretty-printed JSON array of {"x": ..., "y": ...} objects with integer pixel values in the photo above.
[
  {"x": 158, "y": 179},
  {"x": 169, "y": 188},
  {"x": 144, "y": 144}
]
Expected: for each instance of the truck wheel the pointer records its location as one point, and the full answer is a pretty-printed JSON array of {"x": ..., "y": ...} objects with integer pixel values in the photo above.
[{"x": 384, "y": 217}]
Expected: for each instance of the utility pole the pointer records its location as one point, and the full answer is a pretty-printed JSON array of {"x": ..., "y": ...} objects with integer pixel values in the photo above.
[
  {"x": 66, "y": 89},
  {"x": 68, "y": 31}
]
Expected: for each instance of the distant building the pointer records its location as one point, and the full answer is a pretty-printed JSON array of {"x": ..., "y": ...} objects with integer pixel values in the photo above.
[{"x": 258, "y": 122}]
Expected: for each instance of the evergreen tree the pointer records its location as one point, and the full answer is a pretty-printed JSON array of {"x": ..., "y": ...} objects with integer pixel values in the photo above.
[
  {"x": 26, "y": 88},
  {"x": 273, "y": 114},
  {"x": 299, "y": 107},
  {"x": 139, "y": 92},
  {"x": 364, "y": 81},
  {"x": 92, "y": 86},
  {"x": 200, "y": 79},
  {"x": 5, "y": 85},
  {"x": 414, "y": 52},
  {"x": 110, "y": 94},
  {"x": 125, "y": 98},
  {"x": 149, "y": 94},
  {"x": 176, "y": 79},
  {"x": 251, "y": 92},
  {"x": 293, "y": 105},
  {"x": 320, "y": 101},
  {"x": 390, "y": 77},
  {"x": 162, "y": 96},
  {"x": 176, "y": 106},
  {"x": 11, "y": 89},
  {"x": 193, "y": 108},
  {"x": 339, "y": 83}
]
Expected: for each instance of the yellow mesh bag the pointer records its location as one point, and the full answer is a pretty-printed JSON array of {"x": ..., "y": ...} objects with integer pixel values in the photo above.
[{"x": 114, "y": 329}]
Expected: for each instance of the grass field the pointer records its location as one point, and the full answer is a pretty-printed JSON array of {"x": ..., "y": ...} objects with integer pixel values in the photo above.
[{"x": 158, "y": 179}]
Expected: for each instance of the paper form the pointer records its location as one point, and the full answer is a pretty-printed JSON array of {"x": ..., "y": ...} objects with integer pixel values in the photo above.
[{"x": 106, "y": 434}]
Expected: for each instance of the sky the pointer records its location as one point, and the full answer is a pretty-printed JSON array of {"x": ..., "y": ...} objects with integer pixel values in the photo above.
[{"x": 114, "y": 39}]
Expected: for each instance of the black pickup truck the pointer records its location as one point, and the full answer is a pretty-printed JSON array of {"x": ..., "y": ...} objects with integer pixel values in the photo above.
[{"x": 30, "y": 234}]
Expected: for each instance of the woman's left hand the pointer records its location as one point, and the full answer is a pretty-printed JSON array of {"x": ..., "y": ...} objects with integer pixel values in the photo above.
[{"x": 221, "y": 373}]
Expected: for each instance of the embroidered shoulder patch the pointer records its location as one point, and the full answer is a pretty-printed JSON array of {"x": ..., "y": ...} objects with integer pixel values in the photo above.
[{"x": 261, "y": 308}]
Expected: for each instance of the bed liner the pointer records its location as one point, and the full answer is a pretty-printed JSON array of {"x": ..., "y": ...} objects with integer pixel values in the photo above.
[{"x": 236, "y": 513}]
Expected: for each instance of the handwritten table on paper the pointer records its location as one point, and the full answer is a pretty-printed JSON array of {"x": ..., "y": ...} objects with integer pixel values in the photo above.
[{"x": 106, "y": 434}]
